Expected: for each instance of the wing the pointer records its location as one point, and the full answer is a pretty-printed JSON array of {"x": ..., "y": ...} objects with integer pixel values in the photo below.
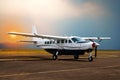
[
  {"x": 54, "y": 37},
  {"x": 22, "y": 34},
  {"x": 38, "y": 35},
  {"x": 95, "y": 38}
]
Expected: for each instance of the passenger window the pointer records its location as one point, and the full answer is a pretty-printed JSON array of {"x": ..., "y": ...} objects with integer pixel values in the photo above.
[
  {"x": 45, "y": 42},
  {"x": 70, "y": 41},
  {"x": 58, "y": 41},
  {"x": 65, "y": 41},
  {"x": 62, "y": 41}
]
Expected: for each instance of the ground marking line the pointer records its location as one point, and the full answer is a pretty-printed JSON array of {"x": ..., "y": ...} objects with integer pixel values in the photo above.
[{"x": 54, "y": 71}]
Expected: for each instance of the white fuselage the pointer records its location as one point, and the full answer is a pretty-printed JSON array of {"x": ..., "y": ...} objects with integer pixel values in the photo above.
[{"x": 72, "y": 43}]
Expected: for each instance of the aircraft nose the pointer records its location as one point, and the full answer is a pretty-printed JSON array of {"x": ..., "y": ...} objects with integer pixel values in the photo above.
[{"x": 94, "y": 44}]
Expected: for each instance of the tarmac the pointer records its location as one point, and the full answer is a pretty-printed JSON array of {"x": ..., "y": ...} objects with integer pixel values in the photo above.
[{"x": 104, "y": 67}]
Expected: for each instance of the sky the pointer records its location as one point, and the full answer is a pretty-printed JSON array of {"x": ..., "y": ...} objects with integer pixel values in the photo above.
[{"x": 60, "y": 17}]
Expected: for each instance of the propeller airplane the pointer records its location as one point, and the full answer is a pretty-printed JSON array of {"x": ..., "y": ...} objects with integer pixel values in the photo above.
[{"x": 63, "y": 45}]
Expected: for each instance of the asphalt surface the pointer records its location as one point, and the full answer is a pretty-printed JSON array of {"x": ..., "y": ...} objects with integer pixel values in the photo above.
[{"x": 65, "y": 68}]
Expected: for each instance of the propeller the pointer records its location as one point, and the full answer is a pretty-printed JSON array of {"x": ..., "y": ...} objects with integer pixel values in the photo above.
[
  {"x": 95, "y": 51},
  {"x": 95, "y": 46}
]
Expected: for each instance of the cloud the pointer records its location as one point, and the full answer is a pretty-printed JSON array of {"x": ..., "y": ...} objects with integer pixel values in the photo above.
[
  {"x": 45, "y": 13},
  {"x": 48, "y": 9}
]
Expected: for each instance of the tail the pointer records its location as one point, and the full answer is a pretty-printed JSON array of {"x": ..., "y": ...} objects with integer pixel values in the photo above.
[
  {"x": 35, "y": 40},
  {"x": 34, "y": 31}
]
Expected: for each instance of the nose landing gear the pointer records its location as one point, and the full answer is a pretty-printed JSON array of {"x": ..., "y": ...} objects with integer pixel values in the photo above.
[
  {"x": 90, "y": 58},
  {"x": 76, "y": 57}
]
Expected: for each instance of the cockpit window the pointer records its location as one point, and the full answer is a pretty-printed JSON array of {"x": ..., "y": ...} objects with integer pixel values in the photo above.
[{"x": 78, "y": 40}]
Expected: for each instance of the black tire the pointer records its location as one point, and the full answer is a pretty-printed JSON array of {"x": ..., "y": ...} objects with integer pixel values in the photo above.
[
  {"x": 76, "y": 57},
  {"x": 90, "y": 59},
  {"x": 54, "y": 57}
]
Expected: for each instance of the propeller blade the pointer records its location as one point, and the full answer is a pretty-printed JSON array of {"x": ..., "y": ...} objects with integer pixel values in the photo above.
[{"x": 95, "y": 51}]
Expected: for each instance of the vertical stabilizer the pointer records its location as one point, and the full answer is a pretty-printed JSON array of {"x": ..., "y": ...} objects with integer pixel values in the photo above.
[{"x": 34, "y": 30}]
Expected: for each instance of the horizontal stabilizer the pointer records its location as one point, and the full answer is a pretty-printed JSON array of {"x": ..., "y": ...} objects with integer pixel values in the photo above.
[{"x": 29, "y": 41}]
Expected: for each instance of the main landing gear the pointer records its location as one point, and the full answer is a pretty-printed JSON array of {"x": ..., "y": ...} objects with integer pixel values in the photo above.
[
  {"x": 76, "y": 56},
  {"x": 55, "y": 56}
]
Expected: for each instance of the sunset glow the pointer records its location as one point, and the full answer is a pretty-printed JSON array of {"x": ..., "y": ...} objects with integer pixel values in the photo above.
[
  {"x": 9, "y": 26},
  {"x": 13, "y": 36},
  {"x": 59, "y": 17}
]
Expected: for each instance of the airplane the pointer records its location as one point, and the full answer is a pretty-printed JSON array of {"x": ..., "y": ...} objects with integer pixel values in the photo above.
[{"x": 63, "y": 45}]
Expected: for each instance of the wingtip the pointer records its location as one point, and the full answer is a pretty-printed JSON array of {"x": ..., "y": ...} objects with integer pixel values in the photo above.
[{"x": 10, "y": 32}]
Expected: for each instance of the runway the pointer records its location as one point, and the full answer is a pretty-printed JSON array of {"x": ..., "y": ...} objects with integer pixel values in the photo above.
[{"x": 105, "y": 67}]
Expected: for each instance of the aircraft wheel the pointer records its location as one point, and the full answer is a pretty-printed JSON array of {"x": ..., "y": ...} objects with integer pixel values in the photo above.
[
  {"x": 54, "y": 57},
  {"x": 76, "y": 56},
  {"x": 90, "y": 58}
]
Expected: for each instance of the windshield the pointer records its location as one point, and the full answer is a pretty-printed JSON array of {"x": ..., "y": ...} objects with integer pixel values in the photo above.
[{"x": 78, "y": 40}]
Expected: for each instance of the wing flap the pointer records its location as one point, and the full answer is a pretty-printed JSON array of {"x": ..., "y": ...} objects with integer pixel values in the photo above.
[{"x": 29, "y": 41}]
